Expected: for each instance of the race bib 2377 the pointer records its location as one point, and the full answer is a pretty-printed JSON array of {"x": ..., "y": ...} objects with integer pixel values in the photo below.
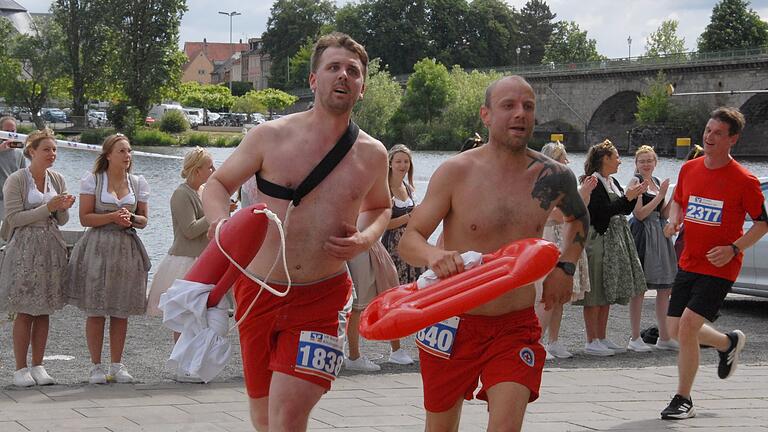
[{"x": 704, "y": 211}]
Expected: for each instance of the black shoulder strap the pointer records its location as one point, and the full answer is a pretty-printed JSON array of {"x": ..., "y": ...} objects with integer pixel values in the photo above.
[{"x": 318, "y": 174}]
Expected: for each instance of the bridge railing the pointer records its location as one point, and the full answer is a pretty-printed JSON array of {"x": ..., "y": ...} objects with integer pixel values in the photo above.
[{"x": 692, "y": 58}]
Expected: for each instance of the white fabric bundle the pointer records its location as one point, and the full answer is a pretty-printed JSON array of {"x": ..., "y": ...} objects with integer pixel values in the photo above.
[{"x": 471, "y": 259}]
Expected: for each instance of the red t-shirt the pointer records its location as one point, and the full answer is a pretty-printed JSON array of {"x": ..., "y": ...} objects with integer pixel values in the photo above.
[{"x": 715, "y": 203}]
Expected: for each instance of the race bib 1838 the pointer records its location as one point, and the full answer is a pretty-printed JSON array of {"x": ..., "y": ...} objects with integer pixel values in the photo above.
[
  {"x": 319, "y": 354},
  {"x": 438, "y": 339},
  {"x": 704, "y": 211}
]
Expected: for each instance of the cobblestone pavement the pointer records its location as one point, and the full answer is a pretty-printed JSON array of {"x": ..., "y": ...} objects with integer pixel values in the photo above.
[
  {"x": 572, "y": 400},
  {"x": 624, "y": 392}
]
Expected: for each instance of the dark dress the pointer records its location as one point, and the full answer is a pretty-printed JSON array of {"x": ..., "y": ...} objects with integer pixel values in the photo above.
[{"x": 391, "y": 239}]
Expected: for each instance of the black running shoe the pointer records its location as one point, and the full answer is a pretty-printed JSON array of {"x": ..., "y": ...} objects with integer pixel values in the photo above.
[
  {"x": 730, "y": 359},
  {"x": 680, "y": 408}
]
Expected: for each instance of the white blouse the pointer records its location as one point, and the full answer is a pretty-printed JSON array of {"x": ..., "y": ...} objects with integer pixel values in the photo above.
[
  {"x": 88, "y": 187},
  {"x": 608, "y": 184},
  {"x": 34, "y": 196},
  {"x": 403, "y": 204}
]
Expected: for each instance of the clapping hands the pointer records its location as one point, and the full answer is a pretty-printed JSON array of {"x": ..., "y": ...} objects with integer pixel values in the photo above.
[{"x": 61, "y": 202}]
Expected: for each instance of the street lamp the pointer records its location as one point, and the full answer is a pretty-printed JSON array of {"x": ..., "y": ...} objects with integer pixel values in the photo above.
[
  {"x": 517, "y": 51},
  {"x": 230, "y": 15},
  {"x": 629, "y": 47}
]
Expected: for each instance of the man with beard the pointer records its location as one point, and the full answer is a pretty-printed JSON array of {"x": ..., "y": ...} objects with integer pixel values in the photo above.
[
  {"x": 505, "y": 193},
  {"x": 318, "y": 172}
]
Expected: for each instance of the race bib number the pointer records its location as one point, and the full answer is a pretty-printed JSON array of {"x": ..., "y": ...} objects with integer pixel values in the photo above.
[
  {"x": 704, "y": 211},
  {"x": 438, "y": 339},
  {"x": 319, "y": 354}
]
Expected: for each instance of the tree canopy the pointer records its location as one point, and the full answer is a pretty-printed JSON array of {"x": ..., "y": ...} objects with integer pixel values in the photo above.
[
  {"x": 734, "y": 25},
  {"x": 569, "y": 44},
  {"x": 665, "y": 41},
  {"x": 289, "y": 25}
]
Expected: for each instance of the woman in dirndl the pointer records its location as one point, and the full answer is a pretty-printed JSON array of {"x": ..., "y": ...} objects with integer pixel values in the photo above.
[
  {"x": 615, "y": 272},
  {"x": 33, "y": 271},
  {"x": 656, "y": 252},
  {"x": 109, "y": 265}
]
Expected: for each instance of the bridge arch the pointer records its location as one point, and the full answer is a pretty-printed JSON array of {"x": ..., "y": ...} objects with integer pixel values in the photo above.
[
  {"x": 755, "y": 134},
  {"x": 573, "y": 137},
  {"x": 613, "y": 118}
]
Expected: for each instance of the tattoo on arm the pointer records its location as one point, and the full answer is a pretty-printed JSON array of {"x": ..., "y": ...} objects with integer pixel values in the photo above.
[{"x": 557, "y": 184}]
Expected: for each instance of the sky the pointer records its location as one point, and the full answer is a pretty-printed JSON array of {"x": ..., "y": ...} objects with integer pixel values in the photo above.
[{"x": 609, "y": 22}]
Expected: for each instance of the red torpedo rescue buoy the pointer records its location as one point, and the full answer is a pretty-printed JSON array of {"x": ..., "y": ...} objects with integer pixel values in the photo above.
[
  {"x": 404, "y": 310},
  {"x": 241, "y": 236}
]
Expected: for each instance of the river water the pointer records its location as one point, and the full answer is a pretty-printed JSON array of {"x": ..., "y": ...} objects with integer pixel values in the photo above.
[{"x": 163, "y": 177}]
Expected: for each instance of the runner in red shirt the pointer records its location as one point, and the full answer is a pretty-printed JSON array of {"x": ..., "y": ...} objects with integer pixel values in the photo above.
[{"x": 713, "y": 196}]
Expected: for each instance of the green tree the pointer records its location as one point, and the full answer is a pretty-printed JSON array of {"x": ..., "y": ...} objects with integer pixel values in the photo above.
[
  {"x": 733, "y": 25},
  {"x": 653, "y": 105},
  {"x": 380, "y": 102},
  {"x": 248, "y": 103},
  {"x": 289, "y": 25},
  {"x": 148, "y": 62},
  {"x": 275, "y": 100},
  {"x": 536, "y": 27},
  {"x": 207, "y": 96},
  {"x": 494, "y": 34},
  {"x": 569, "y": 44},
  {"x": 447, "y": 30},
  {"x": 300, "y": 65},
  {"x": 32, "y": 71},
  {"x": 665, "y": 41},
  {"x": 88, "y": 43},
  {"x": 428, "y": 91},
  {"x": 461, "y": 117}
]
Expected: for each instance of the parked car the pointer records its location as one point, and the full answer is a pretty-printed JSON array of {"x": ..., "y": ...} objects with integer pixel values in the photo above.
[
  {"x": 194, "y": 116},
  {"x": 753, "y": 279},
  {"x": 54, "y": 115},
  {"x": 97, "y": 118}
]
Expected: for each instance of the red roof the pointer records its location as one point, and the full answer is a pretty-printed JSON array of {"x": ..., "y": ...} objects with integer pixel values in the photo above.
[{"x": 216, "y": 51}]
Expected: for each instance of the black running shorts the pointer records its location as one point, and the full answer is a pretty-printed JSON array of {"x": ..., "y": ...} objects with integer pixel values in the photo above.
[{"x": 700, "y": 293}]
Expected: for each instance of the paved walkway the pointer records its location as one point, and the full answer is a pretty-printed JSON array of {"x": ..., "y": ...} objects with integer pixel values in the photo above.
[{"x": 573, "y": 400}]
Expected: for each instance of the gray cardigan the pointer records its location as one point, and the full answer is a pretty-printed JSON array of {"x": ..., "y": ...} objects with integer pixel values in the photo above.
[
  {"x": 15, "y": 194},
  {"x": 190, "y": 227}
]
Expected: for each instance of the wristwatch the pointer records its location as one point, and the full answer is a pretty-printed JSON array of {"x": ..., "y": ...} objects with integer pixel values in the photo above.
[
  {"x": 736, "y": 249},
  {"x": 567, "y": 267}
]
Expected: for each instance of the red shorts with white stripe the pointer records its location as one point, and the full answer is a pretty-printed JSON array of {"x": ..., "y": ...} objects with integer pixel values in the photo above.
[
  {"x": 493, "y": 349},
  {"x": 295, "y": 335}
]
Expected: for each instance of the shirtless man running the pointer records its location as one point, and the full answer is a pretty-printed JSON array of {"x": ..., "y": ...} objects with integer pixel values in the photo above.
[
  {"x": 290, "y": 353},
  {"x": 486, "y": 198}
]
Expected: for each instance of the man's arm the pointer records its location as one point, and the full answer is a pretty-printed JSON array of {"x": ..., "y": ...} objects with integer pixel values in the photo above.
[
  {"x": 242, "y": 163},
  {"x": 375, "y": 212},
  {"x": 558, "y": 286},
  {"x": 413, "y": 247},
  {"x": 675, "y": 219}
]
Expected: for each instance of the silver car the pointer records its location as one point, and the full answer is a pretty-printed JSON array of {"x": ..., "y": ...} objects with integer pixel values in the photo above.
[{"x": 753, "y": 279}]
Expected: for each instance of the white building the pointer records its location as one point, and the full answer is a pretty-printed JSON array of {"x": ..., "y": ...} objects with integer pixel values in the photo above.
[{"x": 17, "y": 15}]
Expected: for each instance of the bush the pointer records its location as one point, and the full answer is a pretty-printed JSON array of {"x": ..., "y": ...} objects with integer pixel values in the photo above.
[
  {"x": 174, "y": 121},
  {"x": 220, "y": 141},
  {"x": 235, "y": 141},
  {"x": 96, "y": 136},
  {"x": 198, "y": 139},
  {"x": 152, "y": 137},
  {"x": 24, "y": 129}
]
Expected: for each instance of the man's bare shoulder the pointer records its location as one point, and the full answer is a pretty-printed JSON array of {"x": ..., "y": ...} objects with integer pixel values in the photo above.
[
  {"x": 279, "y": 130},
  {"x": 369, "y": 147}
]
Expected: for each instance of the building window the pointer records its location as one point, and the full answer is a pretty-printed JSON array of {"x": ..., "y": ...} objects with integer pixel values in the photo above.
[{"x": 201, "y": 71}]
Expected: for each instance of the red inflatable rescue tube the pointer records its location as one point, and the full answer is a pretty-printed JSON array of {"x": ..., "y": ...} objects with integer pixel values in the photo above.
[
  {"x": 406, "y": 309},
  {"x": 241, "y": 236}
]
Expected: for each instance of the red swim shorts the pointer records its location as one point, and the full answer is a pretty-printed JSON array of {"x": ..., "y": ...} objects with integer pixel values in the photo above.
[
  {"x": 495, "y": 349},
  {"x": 286, "y": 334}
]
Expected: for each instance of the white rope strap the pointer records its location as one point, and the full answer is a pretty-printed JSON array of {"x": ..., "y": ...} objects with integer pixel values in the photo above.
[{"x": 281, "y": 253}]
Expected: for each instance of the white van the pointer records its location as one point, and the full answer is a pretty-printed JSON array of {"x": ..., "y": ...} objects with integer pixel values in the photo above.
[
  {"x": 194, "y": 115},
  {"x": 157, "y": 111}
]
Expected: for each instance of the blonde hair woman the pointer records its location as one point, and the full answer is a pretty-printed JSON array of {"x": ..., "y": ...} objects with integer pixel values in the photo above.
[
  {"x": 403, "y": 203},
  {"x": 550, "y": 319},
  {"x": 109, "y": 265},
  {"x": 33, "y": 271},
  {"x": 189, "y": 226},
  {"x": 656, "y": 252}
]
